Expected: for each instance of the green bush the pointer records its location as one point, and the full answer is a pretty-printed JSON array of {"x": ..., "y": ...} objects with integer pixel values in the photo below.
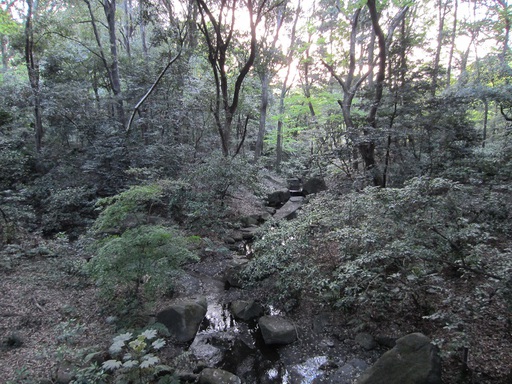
[
  {"x": 132, "y": 255},
  {"x": 210, "y": 183},
  {"x": 377, "y": 251}
]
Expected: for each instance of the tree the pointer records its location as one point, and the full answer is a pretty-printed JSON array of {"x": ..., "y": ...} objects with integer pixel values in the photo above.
[
  {"x": 32, "y": 63},
  {"x": 219, "y": 32},
  {"x": 140, "y": 258},
  {"x": 266, "y": 63},
  {"x": 360, "y": 71},
  {"x": 111, "y": 66},
  {"x": 284, "y": 90}
]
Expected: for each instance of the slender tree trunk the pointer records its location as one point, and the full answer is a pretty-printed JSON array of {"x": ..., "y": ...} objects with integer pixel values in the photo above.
[
  {"x": 219, "y": 45},
  {"x": 264, "y": 77},
  {"x": 442, "y": 10},
  {"x": 127, "y": 27},
  {"x": 506, "y": 15},
  {"x": 142, "y": 27},
  {"x": 5, "y": 52},
  {"x": 452, "y": 44},
  {"x": 367, "y": 147},
  {"x": 284, "y": 90},
  {"x": 486, "y": 118},
  {"x": 109, "y": 7},
  {"x": 32, "y": 64}
]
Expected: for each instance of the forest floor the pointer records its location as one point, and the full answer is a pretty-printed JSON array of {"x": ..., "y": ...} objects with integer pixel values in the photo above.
[{"x": 50, "y": 317}]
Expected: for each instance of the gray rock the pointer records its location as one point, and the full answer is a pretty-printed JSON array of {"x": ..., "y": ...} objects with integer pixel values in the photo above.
[
  {"x": 183, "y": 318},
  {"x": 232, "y": 274},
  {"x": 218, "y": 376},
  {"x": 289, "y": 210},
  {"x": 366, "y": 341},
  {"x": 249, "y": 232},
  {"x": 229, "y": 240},
  {"x": 414, "y": 360},
  {"x": 270, "y": 210},
  {"x": 358, "y": 364},
  {"x": 205, "y": 352},
  {"x": 246, "y": 310},
  {"x": 277, "y": 198},
  {"x": 314, "y": 185},
  {"x": 277, "y": 330}
]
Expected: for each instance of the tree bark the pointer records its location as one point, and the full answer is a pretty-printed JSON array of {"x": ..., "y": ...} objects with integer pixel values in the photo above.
[
  {"x": 109, "y": 7},
  {"x": 442, "y": 11},
  {"x": 5, "y": 53},
  {"x": 452, "y": 44},
  {"x": 367, "y": 147},
  {"x": 264, "y": 78},
  {"x": 32, "y": 64}
]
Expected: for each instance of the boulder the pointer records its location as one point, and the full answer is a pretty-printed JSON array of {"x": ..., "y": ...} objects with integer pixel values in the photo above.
[
  {"x": 314, "y": 185},
  {"x": 366, "y": 341},
  {"x": 289, "y": 210},
  {"x": 246, "y": 310},
  {"x": 414, "y": 360},
  {"x": 278, "y": 198},
  {"x": 277, "y": 330},
  {"x": 217, "y": 376},
  {"x": 232, "y": 274},
  {"x": 184, "y": 317}
]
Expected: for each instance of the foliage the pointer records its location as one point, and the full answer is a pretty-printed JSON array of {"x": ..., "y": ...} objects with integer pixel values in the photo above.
[
  {"x": 377, "y": 251},
  {"x": 211, "y": 182},
  {"x": 16, "y": 164},
  {"x": 140, "y": 257},
  {"x": 134, "y": 360},
  {"x": 70, "y": 209},
  {"x": 137, "y": 361}
]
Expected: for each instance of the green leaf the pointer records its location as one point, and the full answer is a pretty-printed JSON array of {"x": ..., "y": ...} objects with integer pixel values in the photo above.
[
  {"x": 112, "y": 365},
  {"x": 157, "y": 344},
  {"x": 149, "y": 360}
]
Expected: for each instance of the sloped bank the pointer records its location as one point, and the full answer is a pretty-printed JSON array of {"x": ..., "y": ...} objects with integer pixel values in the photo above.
[{"x": 240, "y": 340}]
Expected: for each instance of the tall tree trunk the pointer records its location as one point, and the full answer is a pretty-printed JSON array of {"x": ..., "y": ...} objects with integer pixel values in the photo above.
[
  {"x": 219, "y": 45},
  {"x": 367, "y": 147},
  {"x": 452, "y": 44},
  {"x": 264, "y": 78},
  {"x": 142, "y": 26},
  {"x": 127, "y": 27},
  {"x": 284, "y": 90},
  {"x": 109, "y": 7},
  {"x": 442, "y": 11},
  {"x": 32, "y": 64},
  {"x": 506, "y": 15},
  {"x": 265, "y": 72},
  {"x": 486, "y": 118},
  {"x": 5, "y": 52}
]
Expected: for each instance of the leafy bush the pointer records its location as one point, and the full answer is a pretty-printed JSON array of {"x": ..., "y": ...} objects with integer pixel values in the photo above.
[
  {"x": 137, "y": 361},
  {"x": 140, "y": 257},
  {"x": 70, "y": 210},
  {"x": 211, "y": 182},
  {"x": 378, "y": 251}
]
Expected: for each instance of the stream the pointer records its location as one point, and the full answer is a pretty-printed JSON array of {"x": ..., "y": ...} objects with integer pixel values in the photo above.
[{"x": 238, "y": 347}]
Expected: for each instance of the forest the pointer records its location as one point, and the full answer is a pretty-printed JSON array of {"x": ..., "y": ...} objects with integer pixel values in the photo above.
[{"x": 141, "y": 142}]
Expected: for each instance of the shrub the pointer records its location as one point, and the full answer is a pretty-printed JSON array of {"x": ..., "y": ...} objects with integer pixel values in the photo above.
[
  {"x": 377, "y": 251},
  {"x": 140, "y": 258},
  {"x": 211, "y": 183}
]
